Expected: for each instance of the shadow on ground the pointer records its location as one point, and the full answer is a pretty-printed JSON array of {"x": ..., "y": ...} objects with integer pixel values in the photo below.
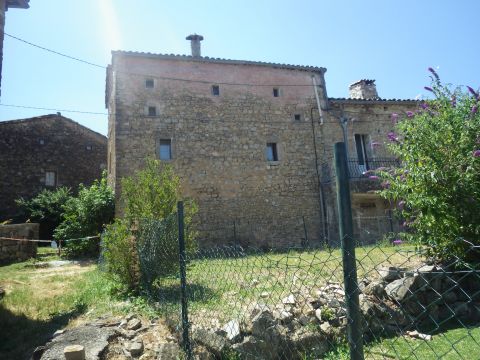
[{"x": 20, "y": 335}]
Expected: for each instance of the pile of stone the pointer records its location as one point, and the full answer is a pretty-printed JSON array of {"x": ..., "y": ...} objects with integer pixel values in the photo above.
[{"x": 112, "y": 338}]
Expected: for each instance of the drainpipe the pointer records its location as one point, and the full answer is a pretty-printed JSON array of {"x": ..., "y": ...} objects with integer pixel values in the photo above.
[{"x": 318, "y": 99}]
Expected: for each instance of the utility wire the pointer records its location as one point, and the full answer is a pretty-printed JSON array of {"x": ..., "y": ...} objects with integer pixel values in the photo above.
[
  {"x": 55, "y": 52},
  {"x": 50, "y": 109},
  {"x": 152, "y": 76}
]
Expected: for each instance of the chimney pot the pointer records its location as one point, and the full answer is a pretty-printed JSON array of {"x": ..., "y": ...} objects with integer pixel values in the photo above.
[
  {"x": 195, "y": 44},
  {"x": 363, "y": 89}
]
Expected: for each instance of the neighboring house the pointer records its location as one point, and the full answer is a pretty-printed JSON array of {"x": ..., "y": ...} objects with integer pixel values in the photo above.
[
  {"x": 247, "y": 140},
  {"x": 4, "y": 6},
  {"x": 45, "y": 152}
]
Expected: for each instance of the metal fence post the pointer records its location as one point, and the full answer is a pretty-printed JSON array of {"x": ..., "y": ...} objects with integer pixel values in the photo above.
[
  {"x": 345, "y": 224},
  {"x": 183, "y": 281}
]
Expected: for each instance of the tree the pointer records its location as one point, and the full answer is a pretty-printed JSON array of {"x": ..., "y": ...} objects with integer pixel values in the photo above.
[
  {"x": 86, "y": 215},
  {"x": 437, "y": 186},
  {"x": 46, "y": 208}
]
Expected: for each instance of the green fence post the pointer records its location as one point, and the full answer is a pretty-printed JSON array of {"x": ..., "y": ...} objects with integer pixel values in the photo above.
[
  {"x": 183, "y": 281},
  {"x": 345, "y": 224}
]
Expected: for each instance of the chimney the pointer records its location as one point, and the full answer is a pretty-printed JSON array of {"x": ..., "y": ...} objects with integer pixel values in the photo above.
[
  {"x": 195, "y": 43},
  {"x": 363, "y": 89}
]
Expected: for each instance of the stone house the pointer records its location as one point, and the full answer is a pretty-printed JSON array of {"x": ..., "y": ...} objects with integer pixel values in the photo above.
[
  {"x": 251, "y": 141},
  {"x": 46, "y": 152}
]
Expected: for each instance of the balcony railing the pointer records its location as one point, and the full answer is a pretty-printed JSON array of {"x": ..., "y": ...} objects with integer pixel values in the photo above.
[{"x": 359, "y": 169}]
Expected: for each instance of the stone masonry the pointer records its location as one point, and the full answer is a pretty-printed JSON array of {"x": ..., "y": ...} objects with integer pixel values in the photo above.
[
  {"x": 30, "y": 148},
  {"x": 15, "y": 250},
  {"x": 219, "y": 142}
]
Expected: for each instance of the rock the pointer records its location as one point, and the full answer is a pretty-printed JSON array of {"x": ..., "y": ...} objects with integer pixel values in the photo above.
[
  {"x": 449, "y": 297},
  {"x": 289, "y": 300},
  {"x": 215, "y": 343},
  {"x": 326, "y": 328},
  {"x": 252, "y": 348},
  {"x": 74, "y": 352},
  {"x": 94, "y": 340},
  {"x": 201, "y": 353},
  {"x": 58, "y": 332},
  {"x": 308, "y": 342},
  {"x": 318, "y": 314},
  {"x": 375, "y": 288},
  {"x": 255, "y": 282},
  {"x": 283, "y": 316},
  {"x": 391, "y": 273},
  {"x": 258, "y": 309},
  {"x": 262, "y": 322},
  {"x": 169, "y": 351},
  {"x": 415, "y": 334},
  {"x": 135, "y": 348},
  {"x": 232, "y": 330},
  {"x": 134, "y": 324},
  {"x": 265, "y": 294},
  {"x": 37, "y": 353},
  {"x": 402, "y": 289},
  {"x": 2, "y": 292}
]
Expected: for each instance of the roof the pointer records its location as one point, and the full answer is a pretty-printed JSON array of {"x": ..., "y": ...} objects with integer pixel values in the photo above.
[
  {"x": 21, "y": 4},
  {"x": 373, "y": 101},
  {"x": 219, "y": 60},
  {"x": 54, "y": 117}
]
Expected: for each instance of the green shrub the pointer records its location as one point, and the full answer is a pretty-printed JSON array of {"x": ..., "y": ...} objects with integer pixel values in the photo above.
[
  {"x": 437, "y": 187},
  {"x": 46, "y": 208},
  {"x": 86, "y": 215},
  {"x": 149, "y": 201},
  {"x": 118, "y": 253}
]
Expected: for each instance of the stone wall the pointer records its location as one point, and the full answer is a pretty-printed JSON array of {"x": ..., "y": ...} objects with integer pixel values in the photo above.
[
  {"x": 51, "y": 143},
  {"x": 13, "y": 250},
  {"x": 219, "y": 142}
]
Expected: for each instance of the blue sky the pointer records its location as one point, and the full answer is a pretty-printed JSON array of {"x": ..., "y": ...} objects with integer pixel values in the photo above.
[{"x": 393, "y": 42}]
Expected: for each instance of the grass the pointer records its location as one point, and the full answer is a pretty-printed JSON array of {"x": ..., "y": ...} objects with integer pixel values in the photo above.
[{"x": 40, "y": 301}]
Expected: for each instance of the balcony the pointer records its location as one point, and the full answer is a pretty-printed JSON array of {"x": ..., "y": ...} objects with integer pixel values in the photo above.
[{"x": 359, "y": 172}]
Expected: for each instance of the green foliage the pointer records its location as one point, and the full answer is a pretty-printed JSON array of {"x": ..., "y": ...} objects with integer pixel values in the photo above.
[
  {"x": 118, "y": 253},
  {"x": 437, "y": 187},
  {"x": 86, "y": 215},
  {"x": 45, "y": 208},
  {"x": 149, "y": 201}
]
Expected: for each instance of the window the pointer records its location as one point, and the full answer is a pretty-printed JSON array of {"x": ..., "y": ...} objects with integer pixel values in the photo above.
[
  {"x": 152, "y": 111},
  {"x": 165, "y": 149},
  {"x": 272, "y": 154},
  {"x": 276, "y": 92},
  {"x": 361, "y": 142},
  {"x": 89, "y": 147},
  {"x": 215, "y": 90},
  {"x": 42, "y": 142},
  {"x": 50, "y": 178},
  {"x": 297, "y": 117},
  {"x": 149, "y": 83}
]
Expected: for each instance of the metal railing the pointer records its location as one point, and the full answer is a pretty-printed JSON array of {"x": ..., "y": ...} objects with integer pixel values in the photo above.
[{"x": 359, "y": 169}]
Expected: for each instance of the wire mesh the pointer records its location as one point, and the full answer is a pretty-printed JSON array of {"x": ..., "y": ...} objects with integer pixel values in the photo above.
[{"x": 290, "y": 303}]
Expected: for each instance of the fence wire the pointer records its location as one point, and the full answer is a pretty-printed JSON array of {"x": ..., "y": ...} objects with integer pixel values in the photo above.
[{"x": 290, "y": 303}]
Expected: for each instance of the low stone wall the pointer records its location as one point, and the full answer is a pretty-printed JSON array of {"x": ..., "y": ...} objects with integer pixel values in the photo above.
[{"x": 15, "y": 250}]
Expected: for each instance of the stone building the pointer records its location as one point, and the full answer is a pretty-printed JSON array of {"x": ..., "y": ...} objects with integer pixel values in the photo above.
[
  {"x": 46, "y": 152},
  {"x": 247, "y": 139},
  {"x": 4, "y": 6}
]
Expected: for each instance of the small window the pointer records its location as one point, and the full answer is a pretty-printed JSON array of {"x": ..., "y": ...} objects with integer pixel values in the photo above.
[
  {"x": 149, "y": 83},
  {"x": 42, "y": 142},
  {"x": 297, "y": 117},
  {"x": 50, "y": 178},
  {"x": 272, "y": 154},
  {"x": 215, "y": 90},
  {"x": 152, "y": 111},
  {"x": 276, "y": 92},
  {"x": 89, "y": 147},
  {"x": 165, "y": 149}
]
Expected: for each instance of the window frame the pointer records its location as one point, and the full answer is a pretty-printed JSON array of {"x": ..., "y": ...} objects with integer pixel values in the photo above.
[
  {"x": 47, "y": 183},
  {"x": 274, "y": 152},
  {"x": 148, "y": 81},
  {"x": 276, "y": 92},
  {"x": 149, "y": 107},
  {"x": 215, "y": 90},
  {"x": 164, "y": 142}
]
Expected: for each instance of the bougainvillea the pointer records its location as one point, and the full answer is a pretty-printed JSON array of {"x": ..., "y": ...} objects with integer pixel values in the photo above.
[{"x": 437, "y": 187}]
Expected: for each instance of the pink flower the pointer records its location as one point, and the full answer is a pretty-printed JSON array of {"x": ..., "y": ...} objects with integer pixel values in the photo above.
[
  {"x": 410, "y": 114},
  {"x": 401, "y": 205},
  {"x": 476, "y": 153},
  {"x": 397, "y": 242},
  {"x": 474, "y": 109},
  {"x": 386, "y": 185},
  {"x": 375, "y": 144},
  {"x": 428, "y": 88},
  {"x": 373, "y": 177},
  {"x": 392, "y": 137},
  {"x": 434, "y": 73},
  {"x": 394, "y": 118},
  {"x": 473, "y": 92}
]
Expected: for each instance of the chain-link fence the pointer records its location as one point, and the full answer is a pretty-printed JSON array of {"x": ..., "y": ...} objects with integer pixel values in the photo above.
[{"x": 386, "y": 300}]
